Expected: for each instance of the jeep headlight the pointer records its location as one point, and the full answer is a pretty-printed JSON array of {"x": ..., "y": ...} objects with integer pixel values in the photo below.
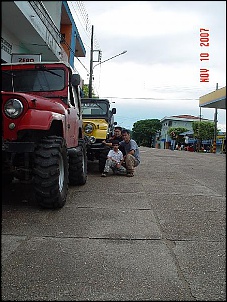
[
  {"x": 92, "y": 139},
  {"x": 13, "y": 108},
  {"x": 88, "y": 128}
]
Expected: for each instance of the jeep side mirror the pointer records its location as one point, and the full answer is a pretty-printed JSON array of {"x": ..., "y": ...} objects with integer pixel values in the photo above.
[
  {"x": 75, "y": 81},
  {"x": 114, "y": 110}
]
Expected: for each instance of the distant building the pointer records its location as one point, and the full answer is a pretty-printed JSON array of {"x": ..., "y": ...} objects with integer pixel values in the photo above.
[{"x": 175, "y": 121}]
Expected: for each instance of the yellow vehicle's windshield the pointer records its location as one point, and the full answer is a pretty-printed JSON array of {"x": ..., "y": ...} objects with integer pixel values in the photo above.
[{"x": 94, "y": 109}]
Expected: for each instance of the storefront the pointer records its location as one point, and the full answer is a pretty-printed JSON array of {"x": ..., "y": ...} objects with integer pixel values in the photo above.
[{"x": 216, "y": 100}]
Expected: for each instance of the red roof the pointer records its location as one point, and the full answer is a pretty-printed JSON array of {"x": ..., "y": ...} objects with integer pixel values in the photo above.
[{"x": 187, "y": 116}]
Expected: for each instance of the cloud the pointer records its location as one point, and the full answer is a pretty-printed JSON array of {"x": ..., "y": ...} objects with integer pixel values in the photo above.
[
  {"x": 141, "y": 19},
  {"x": 160, "y": 73}
]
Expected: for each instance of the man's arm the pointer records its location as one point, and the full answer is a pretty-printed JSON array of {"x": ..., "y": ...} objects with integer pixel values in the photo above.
[
  {"x": 133, "y": 147},
  {"x": 132, "y": 152},
  {"x": 107, "y": 143}
]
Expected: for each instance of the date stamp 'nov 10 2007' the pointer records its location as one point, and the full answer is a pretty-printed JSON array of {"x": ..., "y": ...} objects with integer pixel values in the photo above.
[{"x": 204, "y": 55}]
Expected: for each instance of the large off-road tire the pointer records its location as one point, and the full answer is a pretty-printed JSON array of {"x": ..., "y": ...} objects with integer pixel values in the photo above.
[
  {"x": 7, "y": 179},
  {"x": 78, "y": 165},
  {"x": 51, "y": 172},
  {"x": 102, "y": 158}
]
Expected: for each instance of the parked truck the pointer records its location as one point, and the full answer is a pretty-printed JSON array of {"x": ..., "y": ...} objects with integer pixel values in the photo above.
[
  {"x": 42, "y": 136},
  {"x": 98, "y": 125}
]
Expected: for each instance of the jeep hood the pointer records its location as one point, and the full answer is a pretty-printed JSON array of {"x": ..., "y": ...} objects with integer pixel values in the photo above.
[{"x": 38, "y": 102}]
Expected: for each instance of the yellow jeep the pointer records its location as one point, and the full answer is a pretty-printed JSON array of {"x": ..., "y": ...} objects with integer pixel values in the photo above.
[{"x": 98, "y": 125}]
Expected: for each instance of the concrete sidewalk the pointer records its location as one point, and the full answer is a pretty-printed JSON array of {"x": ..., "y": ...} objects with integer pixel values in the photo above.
[{"x": 159, "y": 235}]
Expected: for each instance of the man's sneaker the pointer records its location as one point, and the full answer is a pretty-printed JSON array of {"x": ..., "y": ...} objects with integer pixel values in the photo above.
[
  {"x": 103, "y": 174},
  {"x": 130, "y": 174}
]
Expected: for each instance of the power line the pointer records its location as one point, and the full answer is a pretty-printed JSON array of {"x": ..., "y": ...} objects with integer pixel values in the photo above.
[
  {"x": 82, "y": 16},
  {"x": 151, "y": 98},
  {"x": 82, "y": 64},
  {"x": 86, "y": 26},
  {"x": 73, "y": 3}
]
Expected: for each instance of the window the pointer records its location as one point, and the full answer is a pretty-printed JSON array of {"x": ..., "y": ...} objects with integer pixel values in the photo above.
[
  {"x": 30, "y": 80},
  {"x": 94, "y": 109}
]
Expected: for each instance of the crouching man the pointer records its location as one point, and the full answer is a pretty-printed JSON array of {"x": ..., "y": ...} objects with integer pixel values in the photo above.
[{"x": 132, "y": 157}]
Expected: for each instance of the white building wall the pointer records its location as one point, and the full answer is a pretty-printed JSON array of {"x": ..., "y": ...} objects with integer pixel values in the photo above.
[
  {"x": 172, "y": 123},
  {"x": 54, "y": 9},
  {"x": 33, "y": 29},
  {"x": 41, "y": 26}
]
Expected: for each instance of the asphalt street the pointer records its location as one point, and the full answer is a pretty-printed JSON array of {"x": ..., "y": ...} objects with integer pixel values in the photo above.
[{"x": 160, "y": 235}]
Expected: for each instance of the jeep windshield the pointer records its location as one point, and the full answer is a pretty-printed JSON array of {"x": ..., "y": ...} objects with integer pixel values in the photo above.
[
  {"x": 33, "y": 80},
  {"x": 94, "y": 109}
]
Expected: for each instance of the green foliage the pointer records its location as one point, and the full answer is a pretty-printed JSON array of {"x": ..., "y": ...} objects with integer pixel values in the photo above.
[
  {"x": 144, "y": 131},
  {"x": 86, "y": 91},
  {"x": 203, "y": 129},
  {"x": 177, "y": 131}
]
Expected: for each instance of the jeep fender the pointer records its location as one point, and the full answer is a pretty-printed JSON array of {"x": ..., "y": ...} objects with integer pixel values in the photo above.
[{"x": 39, "y": 120}]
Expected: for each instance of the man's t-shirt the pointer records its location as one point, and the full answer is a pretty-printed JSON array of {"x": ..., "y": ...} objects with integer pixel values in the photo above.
[{"x": 131, "y": 145}]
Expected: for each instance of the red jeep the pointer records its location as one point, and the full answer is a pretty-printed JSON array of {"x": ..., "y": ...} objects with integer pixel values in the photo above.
[{"x": 42, "y": 137}]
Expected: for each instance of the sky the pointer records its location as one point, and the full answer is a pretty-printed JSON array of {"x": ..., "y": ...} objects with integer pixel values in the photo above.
[{"x": 159, "y": 75}]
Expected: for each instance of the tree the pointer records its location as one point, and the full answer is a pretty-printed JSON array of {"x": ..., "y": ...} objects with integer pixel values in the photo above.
[
  {"x": 203, "y": 130},
  {"x": 144, "y": 131},
  {"x": 86, "y": 91},
  {"x": 177, "y": 131}
]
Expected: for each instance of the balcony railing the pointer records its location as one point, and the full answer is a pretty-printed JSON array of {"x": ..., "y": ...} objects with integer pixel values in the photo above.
[{"x": 47, "y": 21}]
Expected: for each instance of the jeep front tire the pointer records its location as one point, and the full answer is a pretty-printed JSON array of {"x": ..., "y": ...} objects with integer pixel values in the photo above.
[{"x": 51, "y": 172}]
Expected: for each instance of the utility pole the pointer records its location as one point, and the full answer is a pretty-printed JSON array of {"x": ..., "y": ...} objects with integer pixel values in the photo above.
[
  {"x": 91, "y": 63},
  {"x": 215, "y": 126},
  {"x": 99, "y": 59},
  {"x": 198, "y": 147}
]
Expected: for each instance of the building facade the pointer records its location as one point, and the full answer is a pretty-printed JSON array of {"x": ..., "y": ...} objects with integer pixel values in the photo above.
[
  {"x": 42, "y": 28},
  {"x": 185, "y": 121}
]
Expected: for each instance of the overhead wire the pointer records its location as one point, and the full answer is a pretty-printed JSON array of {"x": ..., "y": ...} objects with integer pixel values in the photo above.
[
  {"x": 152, "y": 98},
  {"x": 85, "y": 24},
  {"x": 82, "y": 15}
]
